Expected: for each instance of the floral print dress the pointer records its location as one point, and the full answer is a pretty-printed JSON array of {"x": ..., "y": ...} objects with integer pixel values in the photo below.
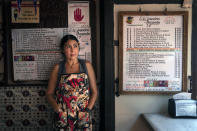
[{"x": 72, "y": 95}]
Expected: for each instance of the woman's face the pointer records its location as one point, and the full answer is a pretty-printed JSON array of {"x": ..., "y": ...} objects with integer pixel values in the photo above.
[{"x": 71, "y": 49}]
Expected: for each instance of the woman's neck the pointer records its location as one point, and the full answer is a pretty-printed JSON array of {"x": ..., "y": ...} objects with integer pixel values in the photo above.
[{"x": 72, "y": 62}]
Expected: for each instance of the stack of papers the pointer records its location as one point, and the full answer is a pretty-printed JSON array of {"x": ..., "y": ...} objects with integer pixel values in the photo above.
[{"x": 182, "y": 95}]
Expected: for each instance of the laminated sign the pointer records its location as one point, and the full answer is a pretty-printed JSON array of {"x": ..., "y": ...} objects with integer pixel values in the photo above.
[
  {"x": 25, "y": 12},
  {"x": 78, "y": 14},
  {"x": 153, "y": 51}
]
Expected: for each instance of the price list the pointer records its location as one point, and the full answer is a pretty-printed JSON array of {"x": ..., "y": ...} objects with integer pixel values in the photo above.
[{"x": 152, "y": 53}]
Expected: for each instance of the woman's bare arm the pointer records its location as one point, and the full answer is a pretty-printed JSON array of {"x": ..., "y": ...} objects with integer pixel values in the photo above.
[
  {"x": 93, "y": 87},
  {"x": 51, "y": 88}
]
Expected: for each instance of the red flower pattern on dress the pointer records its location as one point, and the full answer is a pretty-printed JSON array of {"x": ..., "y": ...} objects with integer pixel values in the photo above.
[
  {"x": 73, "y": 96},
  {"x": 71, "y": 124},
  {"x": 75, "y": 82},
  {"x": 68, "y": 100}
]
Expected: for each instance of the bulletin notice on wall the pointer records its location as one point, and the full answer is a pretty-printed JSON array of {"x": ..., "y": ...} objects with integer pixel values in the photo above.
[
  {"x": 36, "y": 51},
  {"x": 78, "y": 14},
  {"x": 25, "y": 11},
  {"x": 152, "y": 53}
]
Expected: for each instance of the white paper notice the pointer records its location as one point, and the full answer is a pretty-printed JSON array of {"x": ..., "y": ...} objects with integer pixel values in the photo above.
[
  {"x": 152, "y": 53},
  {"x": 35, "y": 51},
  {"x": 185, "y": 108},
  {"x": 78, "y": 14},
  {"x": 26, "y": 66}
]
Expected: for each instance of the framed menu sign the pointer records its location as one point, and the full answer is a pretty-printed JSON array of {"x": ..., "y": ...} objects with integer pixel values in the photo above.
[{"x": 153, "y": 52}]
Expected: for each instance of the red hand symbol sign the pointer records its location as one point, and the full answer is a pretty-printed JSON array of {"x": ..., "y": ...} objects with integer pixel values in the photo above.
[{"x": 77, "y": 15}]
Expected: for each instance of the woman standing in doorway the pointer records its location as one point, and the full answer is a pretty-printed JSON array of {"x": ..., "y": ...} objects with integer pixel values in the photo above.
[{"x": 74, "y": 84}]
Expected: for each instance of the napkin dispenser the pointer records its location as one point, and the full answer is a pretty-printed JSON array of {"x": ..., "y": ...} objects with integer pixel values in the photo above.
[{"x": 183, "y": 108}]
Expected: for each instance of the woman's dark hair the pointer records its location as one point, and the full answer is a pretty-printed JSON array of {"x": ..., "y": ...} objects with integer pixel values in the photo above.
[{"x": 65, "y": 39}]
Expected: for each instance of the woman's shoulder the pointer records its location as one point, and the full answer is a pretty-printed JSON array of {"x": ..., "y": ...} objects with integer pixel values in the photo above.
[
  {"x": 87, "y": 62},
  {"x": 82, "y": 61},
  {"x": 56, "y": 67}
]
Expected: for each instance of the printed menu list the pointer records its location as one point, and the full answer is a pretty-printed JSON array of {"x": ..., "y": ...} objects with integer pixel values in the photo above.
[
  {"x": 36, "y": 51},
  {"x": 152, "y": 56}
]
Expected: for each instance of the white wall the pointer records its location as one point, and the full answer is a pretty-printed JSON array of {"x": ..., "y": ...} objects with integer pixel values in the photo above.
[{"x": 129, "y": 107}]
